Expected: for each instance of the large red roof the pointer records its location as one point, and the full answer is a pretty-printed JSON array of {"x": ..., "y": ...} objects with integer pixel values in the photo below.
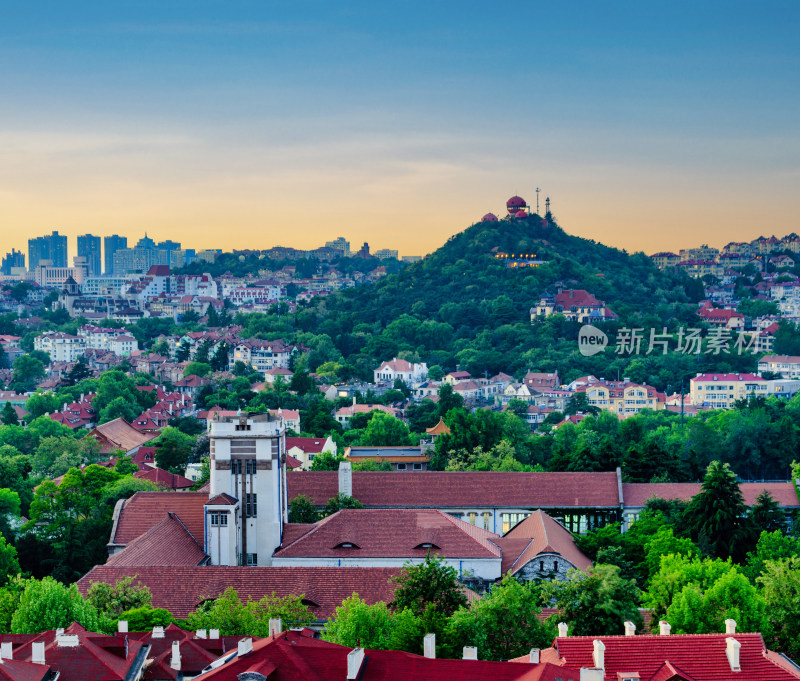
[
  {"x": 637, "y": 494},
  {"x": 439, "y": 489},
  {"x": 144, "y": 509},
  {"x": 168, "y": 542},
  {"x": 180, "y": 589}
]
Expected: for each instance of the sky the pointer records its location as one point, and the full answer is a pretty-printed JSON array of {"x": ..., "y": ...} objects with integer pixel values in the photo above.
[{"x": 650, "y": 125}]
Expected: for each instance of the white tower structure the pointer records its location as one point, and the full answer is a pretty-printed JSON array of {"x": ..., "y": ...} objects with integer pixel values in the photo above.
[{"x": 247, "y": 505}]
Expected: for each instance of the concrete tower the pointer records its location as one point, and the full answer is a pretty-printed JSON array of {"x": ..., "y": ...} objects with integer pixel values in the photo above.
[{"x": 247, "y": 504}]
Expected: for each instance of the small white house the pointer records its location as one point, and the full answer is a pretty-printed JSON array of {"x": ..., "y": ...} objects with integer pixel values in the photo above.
[{"x": 409, "y": 373}]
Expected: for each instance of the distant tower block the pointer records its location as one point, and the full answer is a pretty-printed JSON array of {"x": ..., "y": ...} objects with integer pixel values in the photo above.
[
  {"x": 489, "y": 217},
  {"x": 547, "y": 205},
  {"x": 537, "y": 200},
  {"x": 515, "y": 204}
]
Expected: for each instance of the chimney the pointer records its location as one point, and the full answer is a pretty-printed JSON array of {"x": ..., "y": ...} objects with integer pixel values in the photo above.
[
  {"x": 732, "y": 647},
  {"x": 589, "y": 674},
  {"x": 599, "y": 654},
  {"x": 346, "y": 478},
  {"x": 429, "y": 646},
  {"x": 630, "y": 628},
  {"x": 37, "y": 652},
  {"x": 60, "y": 631},
  {"x": 175, "y": 660},
  {"x": 245, "y": 646},
  {"x": 68, "y": 640},
  {"x": 213, "y": 633},
  {"x": 275, "y": 626},
  {"x": 122, "y": 626},
  {"x": 664, "y": 628},
  {"x": 6, "y": 650},
  {"x": 562, "y": 629},
  {"x": 354, "y": 400},
  {"x": 730, "y": 626},
  {"x": 355, "y": 658},
  {"x": 158, "y": 632},
  {"x": 469, "y": 653},
  {"x": 200, "y": 633}
]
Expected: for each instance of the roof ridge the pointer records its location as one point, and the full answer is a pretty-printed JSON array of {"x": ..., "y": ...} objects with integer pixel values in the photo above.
[
  {"x": 455, "y": 520},
  {"x": 521, "y": 553}
]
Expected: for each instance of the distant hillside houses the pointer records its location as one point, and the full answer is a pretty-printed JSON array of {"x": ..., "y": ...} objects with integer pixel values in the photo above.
[
  {"x": 408, "y": 372},
  {"x": 576, "y": 305},
  {"x": 721, "y": 391}
]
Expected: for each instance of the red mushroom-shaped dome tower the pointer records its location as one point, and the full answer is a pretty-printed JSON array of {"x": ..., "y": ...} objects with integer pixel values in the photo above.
[
  {"x": 521, "y": 214},
  {"x": 516, "y": 204},
  {"x": 489, "y": 217}
]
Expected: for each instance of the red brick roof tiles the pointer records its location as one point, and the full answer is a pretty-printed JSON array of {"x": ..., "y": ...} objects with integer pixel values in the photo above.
[
  {"x": 168, "y": 542},
  {"x": 310, "y": 445},
  {"x": 164, "y": 478},
  {"x": 144, "y": 509},
  {"x": 437, "y": 489},
  {"x": 392, "y": 533},
  {"x": 180, "y": 589},
  {"x": 637, "y": 494}
]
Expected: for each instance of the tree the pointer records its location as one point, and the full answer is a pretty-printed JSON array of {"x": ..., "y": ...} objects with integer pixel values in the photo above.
[
  {"x": 9, "y": 565},
  {"x": 598, "y": 601},
  {"x": 780, "y": 589},
  {"x": 302, "y": 510},
  {"x": 767, "y": 515},
  {"x": 502, "y": 625},
  {"x": 146, "y": 617},
  {"x": 340, "y": 502},
  {"x": 173, "y": 450},
  {"x": 27, "y": 371},
  {"x": 197, "y": 369},
  {"x": 79, "y": 371},
  {"x": 8, "y": 416},
  {"x": 771, "y": 546},
  {"x": 448, "y": 399},
  {"x": 125, "y": 465},
  {"x": 234, "y": 618},
  {"x": 717, "y": 516},
  {"x": 302, "y": 383},
  {"x": 112, "y": 600},
  {"x": 182, "y": 353},
  {"x": 46, "y": 605},
  {"x": 355, "y": 623},
  {"x": 384, "y": 430},
  {"x": 56, "y": 455},
  {"x": 432, "y": 583}
]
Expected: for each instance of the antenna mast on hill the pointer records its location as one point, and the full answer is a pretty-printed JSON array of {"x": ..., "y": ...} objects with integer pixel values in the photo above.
[
  {"x": 547, "y": 205},
  {"x": 537, "y": 200}
]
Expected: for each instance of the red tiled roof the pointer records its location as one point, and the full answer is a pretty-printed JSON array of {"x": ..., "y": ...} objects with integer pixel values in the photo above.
[
  {"x": 120, "y": 434},
  {"x": 145, "y": 509},
  {"x": 180, "y": 589},
  {"x": 543, "y": 535},
  {"x": 162, "y": 477},
  {"x": 711, "y": 378},
  {"x": 168, "y": 542},
  {"x": 19, "y": 670},
  {"x": 221, "y": 500},
  {"x": 700, "y": 656},
  {"x": 439, "y": 489},
  {"x": 637, "y": 494},
  {"x": 309, "y": 445},
  {"x": 295, "y": 656},
  {"x": 379, "y": 533}
]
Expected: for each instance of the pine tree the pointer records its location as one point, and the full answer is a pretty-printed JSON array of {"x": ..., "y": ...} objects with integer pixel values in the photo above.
[{"x": 8, "y": 416}]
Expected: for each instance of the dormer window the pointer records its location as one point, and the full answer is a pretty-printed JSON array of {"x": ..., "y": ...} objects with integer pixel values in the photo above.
[
  {"x": 426, "y": 545},
  {"x": 347, "y": 545}
]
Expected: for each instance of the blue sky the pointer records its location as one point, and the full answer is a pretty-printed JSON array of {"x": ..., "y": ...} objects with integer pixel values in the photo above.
[{"x": 651, "y": 125}]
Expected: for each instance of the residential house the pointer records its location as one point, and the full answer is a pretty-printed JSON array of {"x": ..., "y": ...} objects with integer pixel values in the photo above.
[
  {"x": 576, "y": 305},
  {"x": 344, "y": 414},
  {"x": 304, "y": 449},
  {"x": 623, "y": 397},
  {"x": 400, "y": 458},
  {"x": 62, "y": 347},
  {"x": 408, "y": 372},
  {"x": 787, "y": 366},
  {"x": 541, "y": 381},
  {"x": 119, "y": 435},
  {"x": 721, "y": 391}
]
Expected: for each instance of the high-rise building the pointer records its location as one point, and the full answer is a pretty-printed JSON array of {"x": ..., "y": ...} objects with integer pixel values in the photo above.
[
  {"x": 131, "y": 260},
  {"x": 341, "y": 245},
  {"x": 89, "y": 248},
  {"x": 112, "y": 244},
  {"x": 386, "y": 254},
  {"x": 10, "y": 260},
  {"x": 52, "y": 247}
]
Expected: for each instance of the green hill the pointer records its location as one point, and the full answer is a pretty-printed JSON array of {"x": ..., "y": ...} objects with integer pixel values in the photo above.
[{"x": 462, "y": 307}]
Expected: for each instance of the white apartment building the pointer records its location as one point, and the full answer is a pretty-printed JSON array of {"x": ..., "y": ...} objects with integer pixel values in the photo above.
[
  {"x": 62, "y": 347},
  {"x": 720, "y": 391},
  {"x": 787, "y": 366}
]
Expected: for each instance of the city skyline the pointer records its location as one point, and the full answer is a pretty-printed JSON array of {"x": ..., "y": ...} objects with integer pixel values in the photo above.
[{"x": 648, "y": 128}]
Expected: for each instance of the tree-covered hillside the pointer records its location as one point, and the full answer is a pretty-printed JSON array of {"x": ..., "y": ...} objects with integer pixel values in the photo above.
[{"x": 462, "y": 307}]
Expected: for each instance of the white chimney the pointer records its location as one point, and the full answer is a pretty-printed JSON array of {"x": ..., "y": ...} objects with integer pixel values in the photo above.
[
  {"x": 59, "y": 631},
  {"x": 158, "y": 632},
  {"x": 37, "y": 652},
  {"x": 6, "y": 650},
  {"x": 345, "y": 478},
  {"x": 213, "y": 633},
  {"x": 175, "y": 660},
  {"x": 275, "y": 626},
  {"x": 245, "y": 646},
  {"x": 664, "y": 628},
  {"x": 122, "y": 626},
  {"x": 355, "y": 658},
  {"x": 200, "y": 633},
  {"x": 599, "y": 654},
  {"x": 429, "y": 646},
  {"x": 470, "y": 653},
  {"x": 588, "y": 674},
  {"x": 562, "y": 629},
  {"x": 533, "y": 656},
  {"x": 732, "y": 647},
  {"x": 68, "y": 640},
  {"x": 730, "y": 626},
  {"x": 630, "y": 628}
]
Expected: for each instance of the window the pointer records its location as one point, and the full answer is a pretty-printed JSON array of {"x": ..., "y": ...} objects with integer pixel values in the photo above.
[
  {"x": 401, "y": 467},
  {"x": 555, "y": 566},
  {"x": 541, "y": 566},
  {"x": 250, "y": 466},
  {"x": 219, "y": 519},
  {"x": 472, "y": 517},
  {"x": 236, "y": 466},
  {"x": 251, "y": 506},
  {"x": 486, "y": 516},
  {"x": 417, "y": 466},
  {"x": 252, "y": 559}
]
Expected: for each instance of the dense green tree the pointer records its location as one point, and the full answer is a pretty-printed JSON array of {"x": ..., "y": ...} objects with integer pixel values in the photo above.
[
  {"x": 326, "y": 461},
  {"x": 111, "y": 600},
  {"x": 302, "y": 510},
  {"x": 771, "y": 546},
  {"x": 385, "y": 430},
  {"x": 432, "y": 583},
  {"x": 146, "y": 617},
  {"x": 340, "y": 502},
  {"x": 717, "y": 516},
  {"x": 448, "y": 400},
  {"x": 355, "y": 623},
  {"x": 197, "y": 369},
  {"x": 9, "y": 564},
  {"x": 27, "y": 371},
  {"x": 46, "y": 605},
  {"x": 173, "y": 450},
  {"x": 780, "y": 589},
  {"x": 767, "y": 514},
  {"x": 8, "y": 416}
]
